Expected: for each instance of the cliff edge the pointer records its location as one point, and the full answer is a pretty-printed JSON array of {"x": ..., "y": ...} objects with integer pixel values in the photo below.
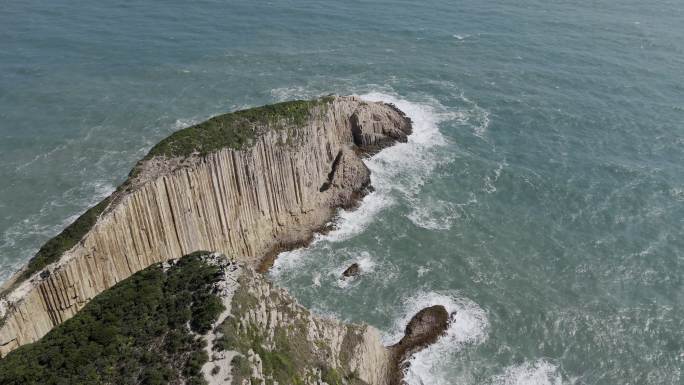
[{"x": 246, "y": 184}]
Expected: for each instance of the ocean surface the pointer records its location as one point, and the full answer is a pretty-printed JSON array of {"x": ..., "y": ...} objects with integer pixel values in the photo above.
[{"x": 541, "y": 196}]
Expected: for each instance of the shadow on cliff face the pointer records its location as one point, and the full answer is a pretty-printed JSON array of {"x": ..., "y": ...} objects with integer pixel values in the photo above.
[{"x": 423, "y": 330}]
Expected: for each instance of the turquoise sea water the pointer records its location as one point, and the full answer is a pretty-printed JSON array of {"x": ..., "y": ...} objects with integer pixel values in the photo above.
[{"x": 541, "y": 195}]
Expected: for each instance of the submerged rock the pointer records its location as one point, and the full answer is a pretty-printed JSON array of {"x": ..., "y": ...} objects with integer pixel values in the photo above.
[{"x": 352, "y": 271}]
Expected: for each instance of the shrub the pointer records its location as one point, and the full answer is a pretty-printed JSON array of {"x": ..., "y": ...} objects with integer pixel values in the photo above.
[{"x": 133, "y": 333}]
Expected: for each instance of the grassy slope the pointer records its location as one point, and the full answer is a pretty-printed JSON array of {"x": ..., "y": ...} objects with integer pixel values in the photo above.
[
  {"x": 134, "y": 333},
  {"x": 233, "y": 130}
]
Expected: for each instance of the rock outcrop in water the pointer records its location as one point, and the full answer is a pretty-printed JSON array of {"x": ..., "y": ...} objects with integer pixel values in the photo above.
[
  {"x": 423, "y": 330},
  {"x": 352, "y": 271},
  {"x": 244, "y": 184}
]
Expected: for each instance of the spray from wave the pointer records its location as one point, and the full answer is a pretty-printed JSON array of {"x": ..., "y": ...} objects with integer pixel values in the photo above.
[{"x": 469, "y": 327}]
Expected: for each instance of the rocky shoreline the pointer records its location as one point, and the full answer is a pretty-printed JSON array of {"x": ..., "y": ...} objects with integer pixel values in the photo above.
[{"x": 248, "y": 184}]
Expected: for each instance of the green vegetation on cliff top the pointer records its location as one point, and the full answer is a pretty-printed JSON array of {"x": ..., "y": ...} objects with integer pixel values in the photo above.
[
  {"x": 232, "y": 130},
  {"x": 236, "y": 129},
  {"x": 137, "y": 332}
]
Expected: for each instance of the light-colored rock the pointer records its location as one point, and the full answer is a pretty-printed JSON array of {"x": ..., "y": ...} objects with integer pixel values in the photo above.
[
  {"x": 311, "y": 343},
  {"x": 243, "y": 203},
  {"x": 224, "y": 288}
]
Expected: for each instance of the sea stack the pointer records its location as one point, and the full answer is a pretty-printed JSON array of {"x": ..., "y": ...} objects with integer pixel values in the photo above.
[{"x": 423, "y": 330}]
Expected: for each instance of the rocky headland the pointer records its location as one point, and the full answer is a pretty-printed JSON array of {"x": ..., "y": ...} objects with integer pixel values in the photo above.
[{"x": 248, "y": 185}]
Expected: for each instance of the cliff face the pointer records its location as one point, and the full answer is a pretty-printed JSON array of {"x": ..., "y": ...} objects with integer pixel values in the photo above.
[{"x": 268, "y": 195}]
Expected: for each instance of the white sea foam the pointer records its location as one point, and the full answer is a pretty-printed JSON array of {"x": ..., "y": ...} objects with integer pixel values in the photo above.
[
  {"x": 540, "y": 372},
  {"x": 366, "y": 263},
  {"x": 480, "y": 129},
  {"x": 297, "y": 92},
  {"x": 42, "y": 156},
  {"x": 677, "y": 193},
  {"x": 179, "y": 124},
  {"x": 289, "y": 260},
  {"x": 35, "y": 226},
  {"x": 469, "y": 326},
  {"x": 316, "y": 280},
  {"x": 477, "y": 117},
  {"x": 490, "y": 180},
  {"x": 434, "y": 215},
  {"x": 402, "y": 168},
  {"x": 405, "y": 166},
  {"x": 349, "y": 223},
  {"x": 97, "y": 191}
]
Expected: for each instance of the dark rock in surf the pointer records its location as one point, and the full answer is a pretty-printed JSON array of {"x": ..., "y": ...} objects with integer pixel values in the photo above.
[
  {"x": 352, "y": 271},
  {"x": 423, "y": 330}
]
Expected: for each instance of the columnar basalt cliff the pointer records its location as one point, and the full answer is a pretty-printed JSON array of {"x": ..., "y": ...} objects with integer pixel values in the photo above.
[
  {"x": 206, "y": 319},
  {"x": 244, "y": 184}
]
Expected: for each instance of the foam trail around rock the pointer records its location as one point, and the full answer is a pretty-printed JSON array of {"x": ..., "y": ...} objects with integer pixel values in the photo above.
[{"x": 469, "y": 326}]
